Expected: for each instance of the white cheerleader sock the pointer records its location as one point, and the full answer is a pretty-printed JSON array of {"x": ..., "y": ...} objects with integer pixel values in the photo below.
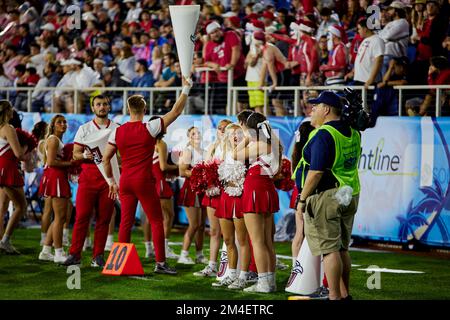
[
  {"x": 65, "y": 233},
  {"x": 213, "y": 265},
  {"x": 243, "y": 275},
  {"x": 59, "y": 252},
  {"x": 110, "y": 238},
  {"x": 271, "y": 277},
  {"x": 184, "y": 253},
  {"x": 5, "y": 239},
  {"x": 47, "y": 249},
  {"x": 263, "y": 279},
  {"x": 43, "y": 236},
  {"x": 232, "y": 273},
  {"x": 148, "y": 246}
]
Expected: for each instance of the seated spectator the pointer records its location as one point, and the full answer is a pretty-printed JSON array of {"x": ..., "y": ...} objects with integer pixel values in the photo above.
[
  {"x": 305, "y": 106},
  {"x": 327, "y": 20},
  {"x": 386, "y": 103},
  {"x": 63, "y": 48},
  {"x": 42, "y": 100},
  {"x": 169, "y": 78},
  {"x": 336, "y": 68},
  {"x": 144, "y": 78},
  {"x": 84, "y": 77},
  {"x": 63, "y": 100},
  {"x": 102, "y": 52},
  {"x": 157, "y": 59},
  {"x": 133, "y": 11},
  {"x": 438, "y": 74},
  {"x": 145, "y": 21},
  {"x": 4, "y": 82},
  {"x": 126, "y": 63}
]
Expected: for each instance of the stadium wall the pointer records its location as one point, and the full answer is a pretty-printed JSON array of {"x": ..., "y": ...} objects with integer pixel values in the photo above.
[{"x": 404, "y": 171}]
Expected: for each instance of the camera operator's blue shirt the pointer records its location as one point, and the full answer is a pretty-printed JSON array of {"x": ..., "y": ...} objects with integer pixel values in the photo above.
[{"x": 320, "y": 153}]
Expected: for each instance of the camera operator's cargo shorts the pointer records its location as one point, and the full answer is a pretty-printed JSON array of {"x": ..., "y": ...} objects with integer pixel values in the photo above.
[{"x": 328, "y": 225}]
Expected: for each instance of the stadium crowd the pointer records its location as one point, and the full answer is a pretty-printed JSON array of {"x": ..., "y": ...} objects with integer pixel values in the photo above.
[{"x": 276, "y": 43}]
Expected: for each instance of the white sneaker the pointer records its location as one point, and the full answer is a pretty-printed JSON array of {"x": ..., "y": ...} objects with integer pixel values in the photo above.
[
  {"x": 185, "y": 260},
  {"x": 201, "y": 260},
  {"x": 257, "y": 287},
  {"x": 225, "y": 282},
  {"x": 206, "y": 272},
  {"x": 61, "y": 258},
  {"x": 46, "y": 256},
  {"x": 170, "y": 254},
  {"x": 238, "y": 284}
]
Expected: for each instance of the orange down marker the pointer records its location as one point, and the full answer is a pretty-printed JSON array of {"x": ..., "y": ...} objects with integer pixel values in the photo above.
[{"x": 123, "y": 260}]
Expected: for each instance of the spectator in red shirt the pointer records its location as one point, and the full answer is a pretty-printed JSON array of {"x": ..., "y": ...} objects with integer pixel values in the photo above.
[
  {"x": 430, "y": 36},
  {"x": 224, "y": 50},
  {"x": 308, "y": 55},
  {"x": 336, "y": 67},
  {"x": 438, "y": 74}
]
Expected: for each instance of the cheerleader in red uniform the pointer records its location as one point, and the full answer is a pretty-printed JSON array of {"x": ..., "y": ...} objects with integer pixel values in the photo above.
[
  {"x": 55, "y": 185},
  {"x": 191, "y": 201},
  {"x": 11, "y": 180},
  {"x": 214, "y": 152},
  {"x": 160, "y": 168},
  {"x": 259, "y": 198},
  {"x": 229, "y": 212}
]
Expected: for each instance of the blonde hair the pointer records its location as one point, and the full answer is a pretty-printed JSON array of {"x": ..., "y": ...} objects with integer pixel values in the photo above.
[
  {"x": 136, "y": 103},
  {"x": 50, "y": 131},
  {"x": 226, "y": 145},
  {"x": 187, "y": 134},
  {"x": 5, "y": 106}
]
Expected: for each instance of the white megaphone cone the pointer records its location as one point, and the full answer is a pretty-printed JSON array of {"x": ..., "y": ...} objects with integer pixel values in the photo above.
[
  {"x": 96, "y": 142},
  {"x": 184, "y": 22},
  {"x": 305, "y": 275},
  {"x": 224, "y": 266}
]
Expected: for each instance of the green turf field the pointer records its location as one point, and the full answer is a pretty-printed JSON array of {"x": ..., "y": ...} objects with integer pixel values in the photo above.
[{"x": 25, "y": 277}]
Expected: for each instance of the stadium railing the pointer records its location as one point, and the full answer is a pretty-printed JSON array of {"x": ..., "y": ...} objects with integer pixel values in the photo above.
[{"x": 231, "y": 94}]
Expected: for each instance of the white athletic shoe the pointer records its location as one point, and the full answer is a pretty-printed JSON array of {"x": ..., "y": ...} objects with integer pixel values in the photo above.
[
  {"x": 170, "y": 254},
  {"x": 46, "y": 256},
  {"x": 201, "y": 260},
  {"x": 206, "y": 272},
  {"x": 60, "y": 259},
  {"x": 185, "y": 260},
  {"x": 225, "y": 282},
  {"x": 238, "y": 284},
  {"x": 257, "y": 287}
]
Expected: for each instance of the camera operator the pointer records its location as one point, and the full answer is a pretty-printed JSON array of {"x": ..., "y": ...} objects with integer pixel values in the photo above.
[{"x": 328, "y": 172}]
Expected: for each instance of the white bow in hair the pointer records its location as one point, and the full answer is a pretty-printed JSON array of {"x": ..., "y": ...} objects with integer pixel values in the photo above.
[{"x": 265, "y": 126}]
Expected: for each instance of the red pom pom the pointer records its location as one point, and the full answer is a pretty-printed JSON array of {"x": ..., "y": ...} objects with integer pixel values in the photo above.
[
  {"x": 285, "y": 182},
  {"x": 197, "y": 181},
  {"x": 204, "y": 176},
  {"x": 26, "y": 139}
]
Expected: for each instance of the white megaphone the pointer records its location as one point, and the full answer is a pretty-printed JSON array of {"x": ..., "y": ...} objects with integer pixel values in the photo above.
[
  {"x": 96, "y": 142},
  {"x": 305, "y": 275},
  {"x": 184, "y": 22}
]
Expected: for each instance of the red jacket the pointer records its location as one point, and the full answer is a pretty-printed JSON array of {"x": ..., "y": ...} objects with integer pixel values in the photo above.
[
  {"x": 308, "y": 55},
  {"x": 337, "y": 62}
]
